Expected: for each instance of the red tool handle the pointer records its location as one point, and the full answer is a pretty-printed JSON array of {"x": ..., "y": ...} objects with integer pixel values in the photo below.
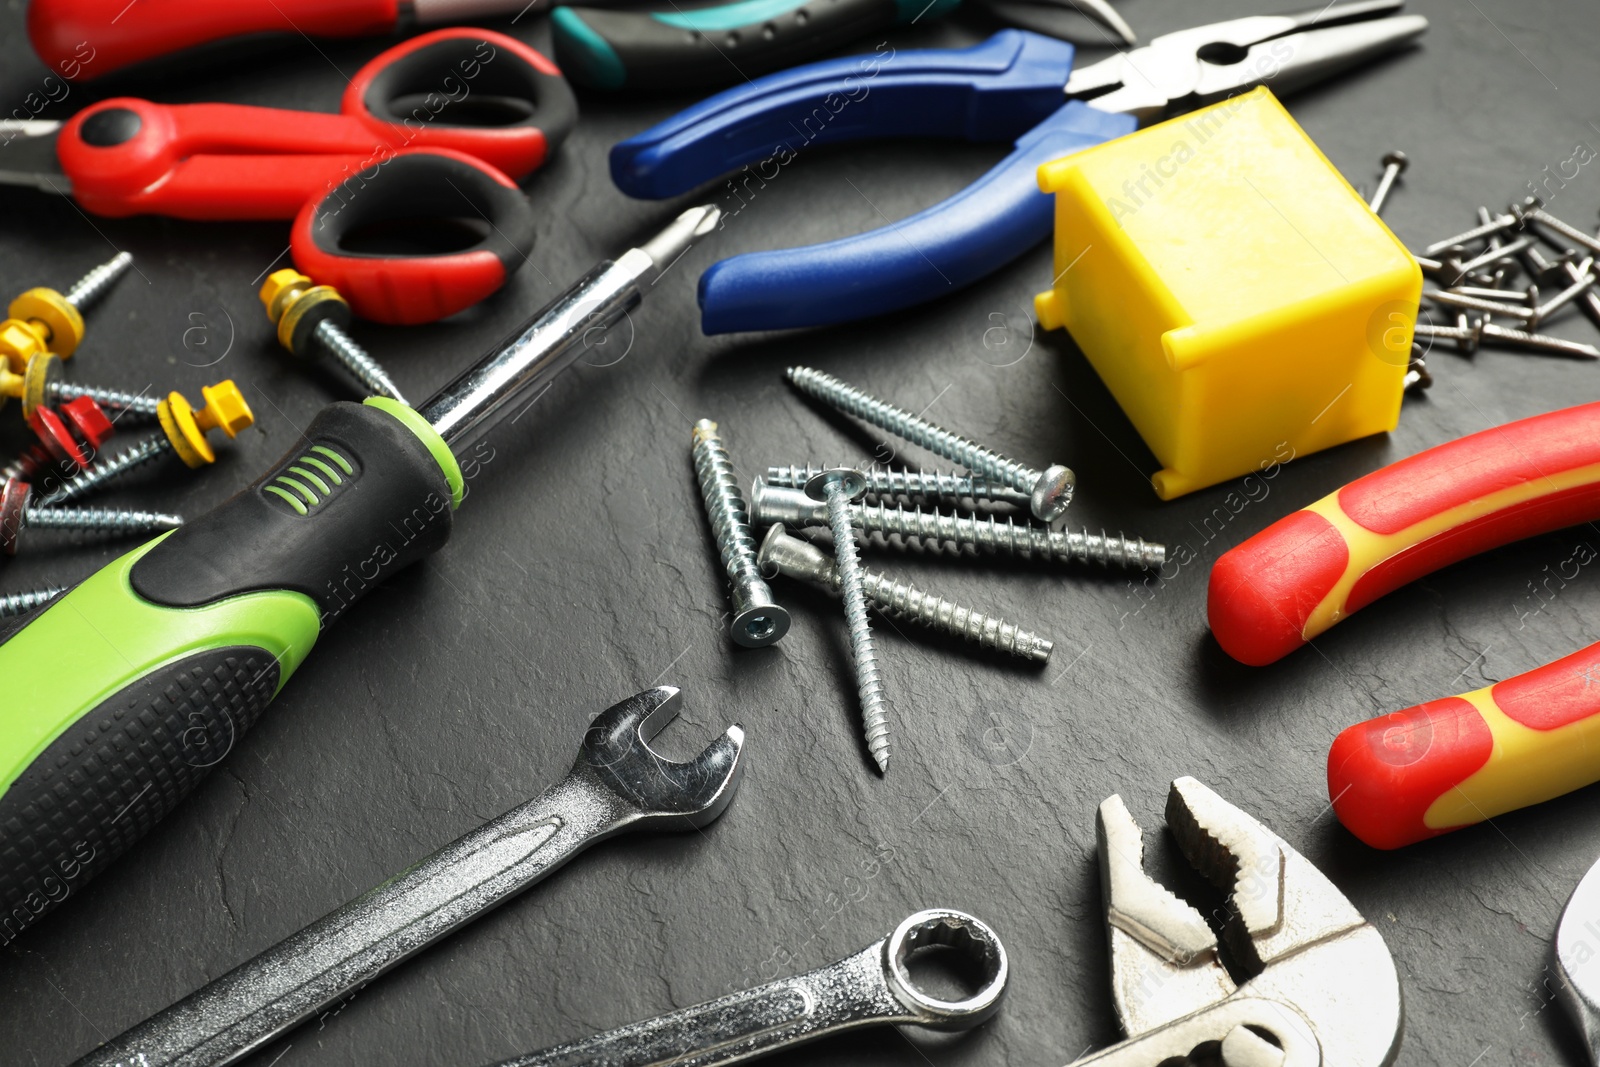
[
  {"x": 1455, "y": 762},
  {"x": 1302, "y": 574},
  {"x": 466, "y": 90},
  {"x": 208, "y": 161},
  {"x": 84, "y": 39},
  {"x": 478, "y": 215}
]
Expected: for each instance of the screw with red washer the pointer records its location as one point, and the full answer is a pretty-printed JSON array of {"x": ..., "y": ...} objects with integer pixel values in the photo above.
[
  {"x": 69, "y": 441},
  {"x": 73, "y": 433}
]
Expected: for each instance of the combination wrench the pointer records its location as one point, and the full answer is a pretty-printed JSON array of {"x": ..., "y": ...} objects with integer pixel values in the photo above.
[
  {"x": 618, "y": 783},
  {"x": 869, "y": 988}
]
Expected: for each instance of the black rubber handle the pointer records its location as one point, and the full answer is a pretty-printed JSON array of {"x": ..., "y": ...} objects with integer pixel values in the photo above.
[
  {"x": 521, "y": 89},
  {"x": 188, "y": 660},
  {"x": 359, "y": 498},
  {"x": 706, "y": 47}
]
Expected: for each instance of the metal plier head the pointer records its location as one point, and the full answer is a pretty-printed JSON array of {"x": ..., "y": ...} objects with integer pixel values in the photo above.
[
  {"x": 1322, "y": 987},
  {"x": 1203, "y": 64}
]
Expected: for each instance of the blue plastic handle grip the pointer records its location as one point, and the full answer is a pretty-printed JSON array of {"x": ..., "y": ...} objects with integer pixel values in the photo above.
[
  {"x": 994, "y": 91},
  {"x": 935, "y": 252}
]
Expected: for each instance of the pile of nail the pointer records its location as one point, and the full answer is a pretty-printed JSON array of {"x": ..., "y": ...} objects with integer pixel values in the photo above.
[
  {"x": 73, "y": 422},
  {"x": 1498, "y": 271},
  {"x": 855, "y": 502}
]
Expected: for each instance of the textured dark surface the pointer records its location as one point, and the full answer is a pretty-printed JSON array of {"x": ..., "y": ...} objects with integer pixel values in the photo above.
[
  {"x": 100, "y": 786},
  {"x": 581, "y": 573}
]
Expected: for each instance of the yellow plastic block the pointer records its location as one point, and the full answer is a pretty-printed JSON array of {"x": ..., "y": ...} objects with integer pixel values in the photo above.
[{"x": 1232, "y": 290}]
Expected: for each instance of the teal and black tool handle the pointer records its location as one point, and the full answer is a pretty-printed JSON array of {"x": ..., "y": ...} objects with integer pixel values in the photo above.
[
  {"x": 710, "y": 46},
  {"x": 120, "y": 696}
]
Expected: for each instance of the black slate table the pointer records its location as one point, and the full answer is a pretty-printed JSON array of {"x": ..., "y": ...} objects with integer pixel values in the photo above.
[{"x": 581, "y": 572}]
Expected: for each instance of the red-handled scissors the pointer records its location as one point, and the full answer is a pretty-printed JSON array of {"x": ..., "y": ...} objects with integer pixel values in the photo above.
[{"x": 434, "y": 130}]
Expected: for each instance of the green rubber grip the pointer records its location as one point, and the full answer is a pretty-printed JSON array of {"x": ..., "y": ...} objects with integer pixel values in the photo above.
[{"x": 125, "y": 692}]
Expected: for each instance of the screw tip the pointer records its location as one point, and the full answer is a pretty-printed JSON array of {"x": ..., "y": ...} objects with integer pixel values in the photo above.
[
  {"x": 878, "y": 736},
  {"x": 880, "y": 756}
]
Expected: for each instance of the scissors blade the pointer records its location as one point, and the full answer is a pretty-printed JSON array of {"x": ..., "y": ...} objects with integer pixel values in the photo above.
[{"x": 28, "y": 155}]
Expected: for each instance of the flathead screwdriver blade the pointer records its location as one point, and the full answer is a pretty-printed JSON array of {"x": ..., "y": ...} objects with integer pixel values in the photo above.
[{"x": 524, "y": 365}]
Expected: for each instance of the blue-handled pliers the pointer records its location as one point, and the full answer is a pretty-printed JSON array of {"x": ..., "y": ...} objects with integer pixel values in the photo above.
[{"x": 1007, "y": 88}]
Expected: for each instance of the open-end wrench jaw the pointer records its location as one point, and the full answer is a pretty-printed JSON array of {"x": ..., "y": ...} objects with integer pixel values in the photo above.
[
  {"x": 616, "y": 753},
  {"x": 1322, "y": 986}
]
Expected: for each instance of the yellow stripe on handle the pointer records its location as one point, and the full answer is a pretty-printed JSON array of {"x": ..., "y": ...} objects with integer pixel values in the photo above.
[{"x": 1368, "y": 549}]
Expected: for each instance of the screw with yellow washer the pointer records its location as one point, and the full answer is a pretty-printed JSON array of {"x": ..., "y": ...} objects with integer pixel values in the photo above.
[
  {"x": 183, "y": 434},
  {"x": 43, "y": 320},
  {"x": 312, "y": 318},
  {"x": 38, "y": 387}
]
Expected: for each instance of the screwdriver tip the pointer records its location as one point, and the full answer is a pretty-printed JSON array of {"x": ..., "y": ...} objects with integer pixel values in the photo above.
[{"x": 681, "y": 234}]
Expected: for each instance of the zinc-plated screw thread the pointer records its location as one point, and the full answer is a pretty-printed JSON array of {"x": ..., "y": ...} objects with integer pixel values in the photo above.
[
  {"x": 92, "y": 286},
  {"x": 1007, "y": 536},
  {"x": 757, "y": 619},
  {"x": 852, "y": 589},
  {"x": 933, "y": 485},
  {"x": 15, "y": 604},
  {"x": 113, "y": 468},
  {"x": 113, "y": 400},
  {"x": 794, "y": 557},
  {"x": 100, "y": 520},
  {"x": 1050, "y": 490},
  {"x": 353, "y": 358},
  {"x": 937, "y": 613}
]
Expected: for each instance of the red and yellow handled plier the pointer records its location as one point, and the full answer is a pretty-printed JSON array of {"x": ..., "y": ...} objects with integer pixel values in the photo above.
[{"x": 1459, "y": 760}]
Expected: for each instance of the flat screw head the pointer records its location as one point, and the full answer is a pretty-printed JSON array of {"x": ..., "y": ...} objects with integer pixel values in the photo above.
[
  {"x": 783, "y": 553},
  {"x": 1398, "y": 160},
  {"x": 759, "y": 625},
  {"x": 1052, "y": 494},
  {"x": 851, "y": 480}
]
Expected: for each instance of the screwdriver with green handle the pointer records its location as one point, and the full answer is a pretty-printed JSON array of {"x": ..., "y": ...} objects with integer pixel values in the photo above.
[{"x": 122, "y": 694}]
